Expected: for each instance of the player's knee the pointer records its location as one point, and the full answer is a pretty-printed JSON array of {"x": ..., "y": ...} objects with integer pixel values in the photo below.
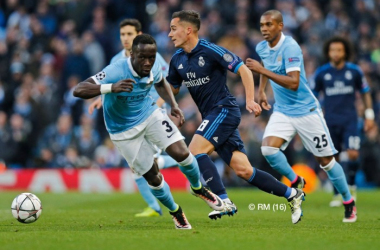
[
  {"x": 244, "y": 173},
  {"x": 353, "y": 155},
  {"x": 266, "y": 150},
  {"x": 242, "y": 169},
  {"x": 154, "y": 180},
  {"x": 326, "y": 163},
  {"x": 178, "y": 151}
]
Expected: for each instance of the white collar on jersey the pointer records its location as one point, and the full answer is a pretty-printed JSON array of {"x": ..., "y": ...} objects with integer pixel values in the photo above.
[
  {"x": 123, "y": 53},
  {"x": 134, "y": 73},
  {"x": 278, "y": 45}
]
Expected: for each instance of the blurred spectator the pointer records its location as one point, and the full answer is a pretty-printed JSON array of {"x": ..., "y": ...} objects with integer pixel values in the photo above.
[
  {"x": 72, "y": 159},
  {"x": 54, "y": 142},
  {"x": 93, "y": 52},
  {"x": 47, "y": 47},
  {"x": 75, "y": 64},
  {"x": 86, "y": 137},
  {"x": 107, "y": 155}
]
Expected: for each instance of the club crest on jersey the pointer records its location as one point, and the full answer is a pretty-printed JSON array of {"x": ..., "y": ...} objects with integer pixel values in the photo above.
[
  {"x": 279, "y": 59},
  {"x": 348, "y": 75},
  {"x": 227, "y": 57},
  {"x": 100, "y": 76},
  {"x": 201, "y": 61},
  {"x": 327, "y": 77}
]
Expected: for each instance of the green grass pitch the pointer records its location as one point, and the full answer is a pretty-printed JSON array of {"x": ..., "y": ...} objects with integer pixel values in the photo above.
[{"x": 106, "y": 221}]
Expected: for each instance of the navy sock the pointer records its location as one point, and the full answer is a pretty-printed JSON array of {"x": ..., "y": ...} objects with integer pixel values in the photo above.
[
  {"x": 211, "y": 176},
  {"x": 352, "y": 168},
  {"x": 268, "y": 183}
]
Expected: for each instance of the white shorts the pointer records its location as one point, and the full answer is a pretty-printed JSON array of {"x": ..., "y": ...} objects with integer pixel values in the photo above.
[
  {"x": 311, "y": 128},
  {"x": 137, "y": 145}
]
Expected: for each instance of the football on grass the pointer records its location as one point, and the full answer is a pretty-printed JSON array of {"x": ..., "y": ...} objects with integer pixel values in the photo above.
[{"x": 26, "y": 208}]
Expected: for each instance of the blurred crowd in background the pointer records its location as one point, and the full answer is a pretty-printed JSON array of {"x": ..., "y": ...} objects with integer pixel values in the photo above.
[{"x": 49, "y": 46}]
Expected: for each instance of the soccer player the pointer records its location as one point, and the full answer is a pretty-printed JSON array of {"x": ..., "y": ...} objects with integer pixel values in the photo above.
[
  {"x": 202, "y": 67},
  {"x": 339, "y": 80},
  {"x": 135, "y": 123},
  {"x": 296, "y": 109},
  {"x": 129, "y": 29}
]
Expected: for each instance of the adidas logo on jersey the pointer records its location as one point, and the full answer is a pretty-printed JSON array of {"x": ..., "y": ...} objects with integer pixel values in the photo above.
[
  {"x": 180, "y": 66},
  {"x": 215, "y": 139}
]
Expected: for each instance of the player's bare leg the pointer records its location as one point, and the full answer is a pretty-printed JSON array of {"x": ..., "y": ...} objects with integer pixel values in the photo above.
[
  {"x": 336, "y": 174},
  {"x": 267, "y": 183},
  {"x": 189, "y": 167},
  {"x": 201, "y": 148},
  {"x": 275, "y": 157},
  {"x": 160, "y": 189}
]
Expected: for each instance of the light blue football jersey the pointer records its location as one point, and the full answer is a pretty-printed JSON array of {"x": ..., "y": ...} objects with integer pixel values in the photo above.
[
  {"x": 159, "y": 60},
  {"x": 286, "y": 57},
  {"x": 123, "y": 111}
]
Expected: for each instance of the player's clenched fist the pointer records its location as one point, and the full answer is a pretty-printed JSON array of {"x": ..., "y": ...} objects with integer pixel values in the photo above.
[
  {"x": 176, "y": 112},
  {"x": 125, "y": 85},
  {"x": 254, "y": 107},
  {"x": 253, "y": 65},
  {"x": 263, "y": 101}
]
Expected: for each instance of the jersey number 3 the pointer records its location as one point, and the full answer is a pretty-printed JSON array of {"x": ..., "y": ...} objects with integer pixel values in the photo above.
[{"x": 168, "y": 127}]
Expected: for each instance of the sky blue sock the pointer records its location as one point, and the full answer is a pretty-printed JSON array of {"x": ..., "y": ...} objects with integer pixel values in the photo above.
[
  {"x": 145, "y": 192},
  {"x": 163, "y": 194},
  {"x": 190, "y": 168},
  {"x": 211, "y": 176},
  {"x": 279, "y": 162},
  {"x": 338, "y": 178},
  {"x": 169, "y": 162}
]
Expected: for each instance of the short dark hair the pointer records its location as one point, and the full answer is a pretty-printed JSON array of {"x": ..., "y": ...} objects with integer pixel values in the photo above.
[
  {"x": 190, "y": 16},
  {"x": 338, "y": 39},
  {"x": 131, "y": 22},
  {"x": 142, "y": 39},
  {"x": 275, "y": 14}
]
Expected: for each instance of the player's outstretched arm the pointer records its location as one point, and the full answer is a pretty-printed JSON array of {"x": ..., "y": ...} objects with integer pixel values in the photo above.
[
  {"x": 249, "y": 85},
  {"x": 97, "y": 104},
  {"x": 89, "y": 89},
  {"x": 290, "y": 81},
  {"x": 165, "y": 92}
]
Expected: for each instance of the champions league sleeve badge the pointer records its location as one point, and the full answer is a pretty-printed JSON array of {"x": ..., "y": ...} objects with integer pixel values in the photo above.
[
  {"x": 201, "y": 61},
  {"x": 100, "y": 76},
  {"x": 227, "y": 57}
]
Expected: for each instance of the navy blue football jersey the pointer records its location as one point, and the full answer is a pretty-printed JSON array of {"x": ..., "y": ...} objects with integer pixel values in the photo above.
[
  {"x": 339, "y": 87},
  {"x": 204, "y": 72}
]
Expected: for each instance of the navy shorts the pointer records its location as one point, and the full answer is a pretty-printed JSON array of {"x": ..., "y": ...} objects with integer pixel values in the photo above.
[
  {"x": 346, "y": 135},
  {"x": 220, "y": 128}
]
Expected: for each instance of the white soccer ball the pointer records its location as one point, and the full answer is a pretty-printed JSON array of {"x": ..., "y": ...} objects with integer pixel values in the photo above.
[{"x": 26, "y": 208}]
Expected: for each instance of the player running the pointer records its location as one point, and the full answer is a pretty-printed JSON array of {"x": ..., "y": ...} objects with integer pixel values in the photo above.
[
  {"x": 129, "y": 29},
  {"x": 296, "y": 109},
  {"x": 135, "y": 123},
  {"x": 339, "y": 80},
  {"x": 202, "y": 67}
]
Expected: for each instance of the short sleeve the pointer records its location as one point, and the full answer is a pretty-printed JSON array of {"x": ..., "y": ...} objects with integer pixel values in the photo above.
[
  {"x": 174, "y": 78},
  {"x": 317, "y": 84},
  {"x": 157, "y": 76},
  {"x": 163, "y": 64},
  {"x": 292, "y": 57},
  {"x": 225, "y": 58},
  {"x": 110, "y": 74},
  {"x": 361, "y": 83}
]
